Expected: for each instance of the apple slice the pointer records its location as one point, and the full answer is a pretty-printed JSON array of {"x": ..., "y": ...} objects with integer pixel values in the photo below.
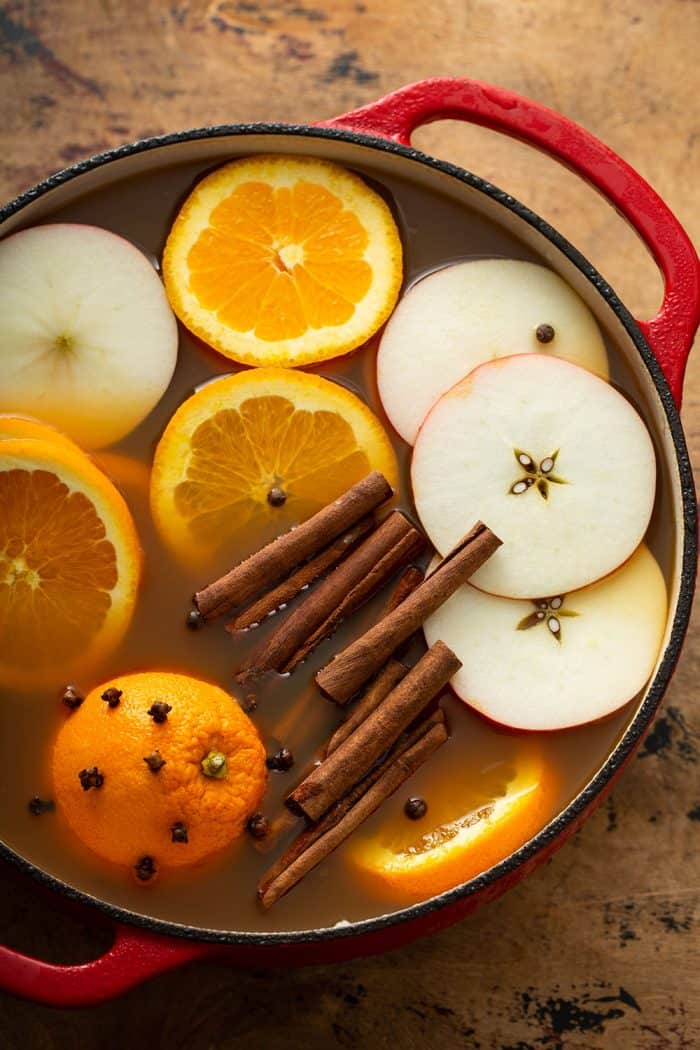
[
  {"x": 554, "y": 460},
  {"x": 472, "y": 312},
  {"x": 558, "y": 661},
  {"x": 88, "y": 339}
]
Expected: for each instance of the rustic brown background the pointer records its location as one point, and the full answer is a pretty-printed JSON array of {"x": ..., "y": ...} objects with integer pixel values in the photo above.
[{"x": 599, "y": 949}]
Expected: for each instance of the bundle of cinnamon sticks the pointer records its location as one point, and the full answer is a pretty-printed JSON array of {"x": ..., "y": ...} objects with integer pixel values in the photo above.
[
  {"x": 354, "y": 779},
  {"x": 394, "y": 726},
  {"x": 391, "y": 730},
  {"x": 342, "y": 548}
]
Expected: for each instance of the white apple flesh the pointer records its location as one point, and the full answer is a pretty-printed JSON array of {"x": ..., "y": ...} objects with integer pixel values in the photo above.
[
  {"x": 472, "y": 312},
  {"x": 559, "y": 662},
  {"x": 88, "y": 341},
  {"x": 553, "y": 459}
]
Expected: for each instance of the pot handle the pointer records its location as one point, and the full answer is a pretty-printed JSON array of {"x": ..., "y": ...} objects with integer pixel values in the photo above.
[
  {"x": 133, "y": 957},
  {"x": 670, "y": 334}
]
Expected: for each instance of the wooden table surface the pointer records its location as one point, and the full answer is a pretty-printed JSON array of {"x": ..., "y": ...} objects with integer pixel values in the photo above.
[{"x": 600, "y": 948}]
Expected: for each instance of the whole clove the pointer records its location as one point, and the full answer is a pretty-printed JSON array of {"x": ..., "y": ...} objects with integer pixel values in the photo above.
[
  {"x": 159, "y": 711},
  {"x": 91, "y": 778},
  {"x": 415, "y": 808},
  {"x": 155, "y": 761},
  {"x": 145, "y": 869},
  {"x": 545, "y": 333},
  {"x": 37, "y": 805},
  {"x": 112, "y": 696},
  {"x": 276, "y": 497},
  {"x": 178, "y": 832},
  {"x": 72, "y": 698},
  {"x": 258, "y": 826},
  {"x": 194, "y": 620},
  {"x": 281, "y": 761}
]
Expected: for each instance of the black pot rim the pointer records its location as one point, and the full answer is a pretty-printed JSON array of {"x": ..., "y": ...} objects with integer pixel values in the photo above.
[{"x": 687, "y": 569}]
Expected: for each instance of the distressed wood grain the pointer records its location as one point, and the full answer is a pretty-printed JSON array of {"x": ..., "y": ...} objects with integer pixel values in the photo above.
[{"x": 599, "y": 950}]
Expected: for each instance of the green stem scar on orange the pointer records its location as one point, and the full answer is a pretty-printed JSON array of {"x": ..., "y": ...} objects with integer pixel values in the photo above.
[{"x": 214, "y": 765}]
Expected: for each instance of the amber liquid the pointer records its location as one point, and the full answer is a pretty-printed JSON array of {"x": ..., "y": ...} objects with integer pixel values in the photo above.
[{"x": 435, "y": 231}]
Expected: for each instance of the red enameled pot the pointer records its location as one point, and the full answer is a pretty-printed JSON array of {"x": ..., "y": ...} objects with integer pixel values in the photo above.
[{"x": 378, "y": 137}]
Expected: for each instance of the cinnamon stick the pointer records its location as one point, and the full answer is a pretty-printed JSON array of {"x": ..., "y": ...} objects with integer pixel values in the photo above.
[
  {"x": 350, "y": 669},
  {"x": 392, "y": 544},
  {"x": 319, "y": 841},
  {"x": 300, "y": 580},
  {"x": 407, "y": 583},
  {"x": 389, "y": 676},
  {"x": 406, "y": 548},
  {"x": 380, "y": 688},
  {"x": 329, "y": 781},
  {"x": 277, "y": 559},
  {"x": 336, "y": 813}
]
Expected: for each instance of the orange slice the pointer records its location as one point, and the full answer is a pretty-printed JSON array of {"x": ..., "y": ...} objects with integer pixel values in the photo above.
[
  {"x": 70, "y": 563},
  {"x": 279, "y": 260},
  {"x": 158, "y": 775},
  {"x": 239, "y": 438},
  {"x": 129, "y": 475},
  {"x": 473, "y": 821},
  {"x": 26, "y": 427}
]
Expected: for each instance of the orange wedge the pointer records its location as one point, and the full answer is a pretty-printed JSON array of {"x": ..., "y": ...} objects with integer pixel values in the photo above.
[
  {"x": 278, "y": 260},
  {"x": 475, "y": 820},
  {"x": 70, "y": 563},
  {"x": 250, "y": 455}
]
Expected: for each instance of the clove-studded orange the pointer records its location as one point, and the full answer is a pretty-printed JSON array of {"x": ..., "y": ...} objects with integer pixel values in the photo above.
[{"x": 171, "y": 771}]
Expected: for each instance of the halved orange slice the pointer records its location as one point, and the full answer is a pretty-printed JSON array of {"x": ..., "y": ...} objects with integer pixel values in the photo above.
[
  {"x": 473, "y": 821},
  {"x": 277, "y": 260},
  {"x": 70, "y": 563},
  {"x": 252, "y": 454}
]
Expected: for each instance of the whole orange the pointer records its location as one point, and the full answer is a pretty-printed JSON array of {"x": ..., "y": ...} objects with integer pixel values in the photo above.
[{"x": 158, "y": 770}]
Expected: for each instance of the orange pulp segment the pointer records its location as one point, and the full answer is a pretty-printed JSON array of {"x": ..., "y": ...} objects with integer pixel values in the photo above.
[{"x": 277, "y": 260}]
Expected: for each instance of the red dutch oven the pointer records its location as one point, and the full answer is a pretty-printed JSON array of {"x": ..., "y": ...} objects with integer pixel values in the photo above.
[{"x": 377, "y": 139}]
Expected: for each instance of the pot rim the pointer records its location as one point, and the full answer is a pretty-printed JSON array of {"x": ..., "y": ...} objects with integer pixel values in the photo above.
[{"x": 686, "y": 570}]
